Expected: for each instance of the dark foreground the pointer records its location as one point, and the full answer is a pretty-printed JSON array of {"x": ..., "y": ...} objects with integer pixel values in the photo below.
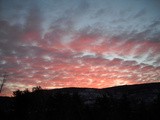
[{"x": 135, "y": 102}]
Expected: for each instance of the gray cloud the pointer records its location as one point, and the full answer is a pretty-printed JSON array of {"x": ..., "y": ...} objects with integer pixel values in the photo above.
[
  {"x": 34, "y": 20},
  {"x": 141, "y": 13}
]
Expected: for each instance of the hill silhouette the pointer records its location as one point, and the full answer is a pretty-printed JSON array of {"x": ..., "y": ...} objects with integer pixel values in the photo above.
[{"x": 133, "y": 102}]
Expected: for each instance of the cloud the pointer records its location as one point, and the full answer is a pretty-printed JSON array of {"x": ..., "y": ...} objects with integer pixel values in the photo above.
[
  {"x": 141, "y": 13},
  {"x": 74, "y": 50},
  {"x": 83, "y": 6}
]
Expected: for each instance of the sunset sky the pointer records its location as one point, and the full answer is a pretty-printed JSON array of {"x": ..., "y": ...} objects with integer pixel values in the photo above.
[{"x": 79, "y": 43}]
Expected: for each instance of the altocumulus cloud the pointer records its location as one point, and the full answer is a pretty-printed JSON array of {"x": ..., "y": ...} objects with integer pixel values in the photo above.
[{"x": 81, "y": 43}]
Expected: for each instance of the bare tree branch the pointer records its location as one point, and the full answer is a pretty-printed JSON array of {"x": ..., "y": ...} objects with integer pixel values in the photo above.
[{"x": 3, "y": 81}]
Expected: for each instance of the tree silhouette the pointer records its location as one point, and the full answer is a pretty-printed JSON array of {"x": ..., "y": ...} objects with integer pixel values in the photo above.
[
  {"x": 37, "y": 88},
  {"x": 22, "y": 103},
  {"x": 17, "y": 93},
  {"x": 3, "y": 81}
]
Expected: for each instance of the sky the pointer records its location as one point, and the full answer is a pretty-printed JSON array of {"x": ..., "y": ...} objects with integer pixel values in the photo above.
[{"x": 78, "y": 43}]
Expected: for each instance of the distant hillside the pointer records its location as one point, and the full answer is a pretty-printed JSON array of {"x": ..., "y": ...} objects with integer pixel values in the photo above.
[{"x": 122, "y": 102}]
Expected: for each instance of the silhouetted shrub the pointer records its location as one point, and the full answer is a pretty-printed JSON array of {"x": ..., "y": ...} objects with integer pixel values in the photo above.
[
  {"x": 37, "y": 88},
  {"x": 17, "y": 93}
]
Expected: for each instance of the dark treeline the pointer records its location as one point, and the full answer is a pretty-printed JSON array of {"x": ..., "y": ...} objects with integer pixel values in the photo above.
[{"x": 64, "y": 106}]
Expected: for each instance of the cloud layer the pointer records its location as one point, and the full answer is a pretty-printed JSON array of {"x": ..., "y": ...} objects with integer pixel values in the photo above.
[{"x": 82, "y": 44}]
